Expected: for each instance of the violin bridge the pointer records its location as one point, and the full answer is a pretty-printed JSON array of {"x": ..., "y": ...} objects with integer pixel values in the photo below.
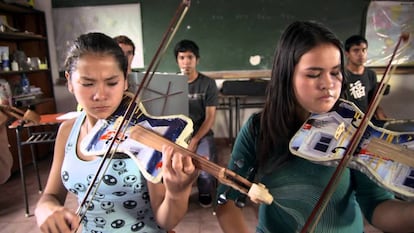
[{"x": 339, "y": 130}]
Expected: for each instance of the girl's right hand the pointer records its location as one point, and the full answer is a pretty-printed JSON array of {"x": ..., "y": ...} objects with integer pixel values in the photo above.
[{"x": 59, "y": 220}]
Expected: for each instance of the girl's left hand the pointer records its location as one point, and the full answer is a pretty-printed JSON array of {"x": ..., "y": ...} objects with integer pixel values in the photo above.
[{"x": 178, "y": 170}]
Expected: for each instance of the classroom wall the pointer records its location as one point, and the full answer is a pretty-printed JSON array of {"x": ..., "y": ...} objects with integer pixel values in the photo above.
[
  {"x": 399, "y": 103},
  {"x": 65, "y": 102}
]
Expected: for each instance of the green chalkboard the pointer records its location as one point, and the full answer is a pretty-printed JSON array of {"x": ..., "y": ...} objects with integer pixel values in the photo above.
[
  {"x": 228, "y": 32},
  {"x": 77, "y": 3}
]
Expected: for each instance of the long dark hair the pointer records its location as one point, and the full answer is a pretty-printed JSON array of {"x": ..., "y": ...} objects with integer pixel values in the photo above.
[
  {"x": 280, "y": 118},
  {"x": 98, "y": 43}
]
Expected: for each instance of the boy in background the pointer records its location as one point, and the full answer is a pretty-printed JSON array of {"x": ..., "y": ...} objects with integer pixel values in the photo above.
[{"x": 203, "y": 101}]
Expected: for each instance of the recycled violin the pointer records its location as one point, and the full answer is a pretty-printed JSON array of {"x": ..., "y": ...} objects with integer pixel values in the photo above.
[
  {"x": 387, "y": 157},
  {"x": 177, "y": 128},
  {"x": 353, "y": 149},
  {"x": 142, "y": 141}
]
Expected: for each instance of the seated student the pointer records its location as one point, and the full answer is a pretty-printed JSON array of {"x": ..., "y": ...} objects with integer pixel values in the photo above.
[
  {"x": 203, "y": 101},
  {"x": 128, "y": 47},
  {"x": 96, "y": 70},
  {"x": 361, "y": 82},
  {"x": 307, "y": 77}
]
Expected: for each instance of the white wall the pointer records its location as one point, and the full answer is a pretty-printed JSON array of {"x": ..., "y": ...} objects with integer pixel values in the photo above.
[
  {"x": 64, "y": 100},
  {"x": 399, "y": 104}
]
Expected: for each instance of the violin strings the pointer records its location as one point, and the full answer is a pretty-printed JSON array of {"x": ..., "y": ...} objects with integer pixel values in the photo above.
[
  {"x": 154, "y": 140},
  {"x": 216, "y": 171}
]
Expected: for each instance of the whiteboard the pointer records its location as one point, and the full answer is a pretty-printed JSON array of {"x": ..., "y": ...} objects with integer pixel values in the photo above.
[
  {"x": 386, "y": 20},
  {"x": 113, "y": 20}
]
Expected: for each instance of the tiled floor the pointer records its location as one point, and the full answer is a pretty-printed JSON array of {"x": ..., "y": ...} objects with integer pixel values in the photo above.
[{"x": 12, "y": 219}]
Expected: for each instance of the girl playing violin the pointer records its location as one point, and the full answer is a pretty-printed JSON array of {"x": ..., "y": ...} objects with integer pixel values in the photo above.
[
  {"x": 96, "y": 70},
  {"x": 307, "y": 77}
]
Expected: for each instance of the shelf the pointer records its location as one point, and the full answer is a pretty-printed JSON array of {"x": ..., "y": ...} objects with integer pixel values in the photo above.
[
  {"x": 14, "y": 8},
  {"x": 30, "y": 38},
  {"x": 32, "y": 102},
  {"x": 20, "y": 36},
  {"x": 23, "y": 72}
]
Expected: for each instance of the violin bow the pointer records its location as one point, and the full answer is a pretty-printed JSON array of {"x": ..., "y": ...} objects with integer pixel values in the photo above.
[
  {"x": 110, "y": 152},
  {"x": 320, "y": 206}
]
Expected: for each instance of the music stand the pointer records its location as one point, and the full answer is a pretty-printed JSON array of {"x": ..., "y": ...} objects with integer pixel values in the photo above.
[{"x": 164, "y": 94}]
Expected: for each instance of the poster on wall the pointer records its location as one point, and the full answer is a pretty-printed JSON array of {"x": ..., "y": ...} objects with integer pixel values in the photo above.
[
  {"x": 113, "y": 20},
  {"x": 385, "y": 22}
]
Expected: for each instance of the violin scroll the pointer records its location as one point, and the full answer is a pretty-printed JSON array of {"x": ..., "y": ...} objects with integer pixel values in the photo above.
[{"x": 258, "y": 193}]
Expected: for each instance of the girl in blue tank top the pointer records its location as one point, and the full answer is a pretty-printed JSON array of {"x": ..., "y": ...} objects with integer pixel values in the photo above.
[{"x": 96, "y": 69}]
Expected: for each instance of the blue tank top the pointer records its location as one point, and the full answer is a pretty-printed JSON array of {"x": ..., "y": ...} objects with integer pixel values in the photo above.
[{"x": 121, "y": 203}]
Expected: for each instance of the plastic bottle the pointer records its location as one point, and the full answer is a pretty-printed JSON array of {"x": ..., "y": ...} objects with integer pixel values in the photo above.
[
  {"x": 5, "y": 59},
  {"x": 25, "y": 84},
  {"x": 14, "y": 66}
]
